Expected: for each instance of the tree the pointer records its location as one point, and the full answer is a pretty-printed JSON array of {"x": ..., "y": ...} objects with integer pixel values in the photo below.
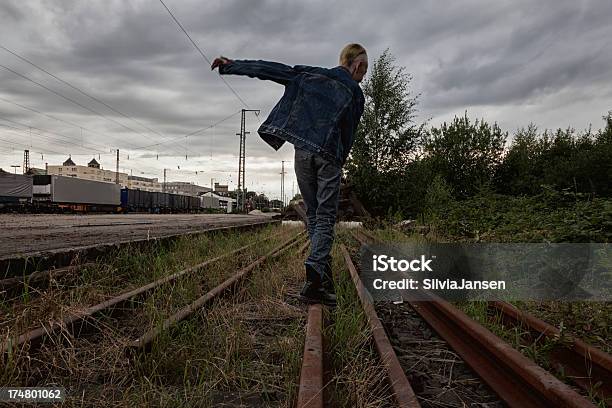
[
  {"x": 261, "y": 201},
  {"x": 520, "y": 171},
  {"x": 387, "y": 134},
  {"x": 387, "y": 139},
  {"x": 563, "y": 159},
  {"x": 465, "y": 154}
]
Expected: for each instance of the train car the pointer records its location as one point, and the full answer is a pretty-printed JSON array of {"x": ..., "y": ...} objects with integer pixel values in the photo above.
[
  {"x": 52, "y": 193},
  {"x": 136, "y": 200},
  {"x": 178, "y": 203},
  {"x": 74, "y": 194},
  {"x": 209, "y": 202},
  {"x": 15, "y": 191},
  {"x": 164, "y": 202},
  {"x": 194, "y": 204},
  {"x": 155, "y": 199}
]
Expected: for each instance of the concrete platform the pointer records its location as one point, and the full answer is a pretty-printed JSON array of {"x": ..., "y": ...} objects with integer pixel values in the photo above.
[{"x": 26, "y": 234}]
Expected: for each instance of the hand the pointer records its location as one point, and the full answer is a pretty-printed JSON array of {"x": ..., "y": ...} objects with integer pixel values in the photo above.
[{"x": 220, "y": 61}]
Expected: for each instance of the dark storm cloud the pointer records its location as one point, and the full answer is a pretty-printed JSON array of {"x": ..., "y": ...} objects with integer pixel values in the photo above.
[
  {"x": 11, "y": 11},
  {"x": 538, "y": 56},
  {"x": 513, "y": 62}
]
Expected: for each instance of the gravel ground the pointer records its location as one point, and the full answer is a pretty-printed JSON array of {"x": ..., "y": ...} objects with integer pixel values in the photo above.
[{"x": 438, "y": 376}]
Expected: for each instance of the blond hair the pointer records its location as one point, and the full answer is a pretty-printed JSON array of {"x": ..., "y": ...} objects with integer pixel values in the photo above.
[{"x": 350, "y": 52}]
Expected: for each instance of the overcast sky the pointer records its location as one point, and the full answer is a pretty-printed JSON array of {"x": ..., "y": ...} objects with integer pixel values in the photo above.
[{"x": 514, "y": 62}]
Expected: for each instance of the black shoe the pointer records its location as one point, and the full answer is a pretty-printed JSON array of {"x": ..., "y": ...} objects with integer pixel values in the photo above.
[
  {"x": 312, "y": 275},
  {"x": 328, "y": 279},
  {"x": 327, "y": 298},
  {"x": 313, "y": 293},
  {"x": 310, "y": 292},
  {"x": 314, "y": 290}
]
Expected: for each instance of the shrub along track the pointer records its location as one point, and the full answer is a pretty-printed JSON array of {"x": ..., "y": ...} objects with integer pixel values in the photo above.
[
  {"x": 504, "y": 369},
  {"x": 99, "y": 361}
]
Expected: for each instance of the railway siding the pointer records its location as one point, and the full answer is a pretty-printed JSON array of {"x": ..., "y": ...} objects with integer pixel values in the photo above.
[{"x": 57, "y": 243}]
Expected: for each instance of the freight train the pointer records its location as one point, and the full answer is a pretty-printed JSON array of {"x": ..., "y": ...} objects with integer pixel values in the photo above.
[{"x": 47, "y": 193}]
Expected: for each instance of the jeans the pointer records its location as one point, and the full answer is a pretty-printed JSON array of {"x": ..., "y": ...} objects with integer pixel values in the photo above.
[{"x": 319, "y": 182}]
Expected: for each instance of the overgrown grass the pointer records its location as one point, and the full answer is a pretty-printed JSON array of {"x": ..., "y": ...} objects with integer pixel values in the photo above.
[
  {"x": 212, "y": 356},
  {"x": 125, "y": 269},
  {"x": 590, "y": 321},
  {"x": 356, "y": 375},
  {"x": 536, "y": 349}
]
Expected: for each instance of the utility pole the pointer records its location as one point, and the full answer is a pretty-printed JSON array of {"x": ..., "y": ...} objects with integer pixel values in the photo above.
[
  {"x": 242, "y": 158},
  {"x": 239, "y": 189},
  {"x": 117, "y": 170},
  {"x": 15, "y": 166},
  {"x": 164, "y": 185},
  {"x": 282, "y": 184},
  {"x": 211, "y": 191},
  {"x": 26, "y": 161}
]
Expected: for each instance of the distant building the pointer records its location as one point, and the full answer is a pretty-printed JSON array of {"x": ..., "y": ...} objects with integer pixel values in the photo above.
[
  {"x": 226, "y": 203},
  {"x": 93, "y": 172},
  {"x": 90, "y": 172},
  {"x": 276, "y": 204},
  {"x": 144, "y": 183},
  {"x": 93, "y": 164},
  {"x": 33, "y": 171},
  {"x": 221, "y": 188},
  {"x": 182, "y": 187}
]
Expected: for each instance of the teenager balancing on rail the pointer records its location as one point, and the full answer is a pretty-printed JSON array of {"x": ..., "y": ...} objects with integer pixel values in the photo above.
[{"x": 318, "y": 113}]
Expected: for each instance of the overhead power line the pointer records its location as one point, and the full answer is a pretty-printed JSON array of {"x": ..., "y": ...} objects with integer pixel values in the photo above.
[
  {"x": 72, "y": 101},
  {"x": 201, "y": 53},
  {"x": 33, "y": 135},
  {"x": 26, "y": 126},
  {"x": 46, "y": 151},
  {"x": 81, "y": 91},
  {"x": 189, "y": 134},
  {"x": 54, "y": 118}
]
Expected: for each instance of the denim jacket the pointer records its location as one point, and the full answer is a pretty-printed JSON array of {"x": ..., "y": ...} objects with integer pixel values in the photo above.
[{"x": 319, "y": 111}]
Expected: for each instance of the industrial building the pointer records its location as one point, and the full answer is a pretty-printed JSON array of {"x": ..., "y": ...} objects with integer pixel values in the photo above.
[
  {"x": 183, "y": 187},
  {"x": 94, "y": 172},
  {"x": 226, "y": 203}
]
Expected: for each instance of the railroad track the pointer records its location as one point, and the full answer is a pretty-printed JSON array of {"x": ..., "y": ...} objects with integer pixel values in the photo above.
[
  {"x": 502, "y": 368},
  {"x": 515, "y": 379},
  {"x": 47, "y": 293},
  {"x": 588, "y": 367},
  {"x": 79, "y": 323},
  {"x": 16, "y": 283}
]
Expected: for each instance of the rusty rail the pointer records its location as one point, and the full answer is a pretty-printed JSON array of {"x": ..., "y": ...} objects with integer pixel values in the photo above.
[
  {"x": 40, "y": 276},
  {"x": 80, "y": 319},
  {"x": 517, "y": 380},
  {"x": 303, "y": 248},
  {"x": 310, "y": 394},
  {"x": 585, "y": 365},
  {"x": 399, "y": 383},
  {"x": 144, "y": 341}
]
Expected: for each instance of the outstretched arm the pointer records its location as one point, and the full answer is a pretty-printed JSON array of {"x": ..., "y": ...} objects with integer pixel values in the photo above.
[{"x": 266, "y": 70}]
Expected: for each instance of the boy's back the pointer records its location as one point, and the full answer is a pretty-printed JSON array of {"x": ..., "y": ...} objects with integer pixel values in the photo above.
[{"x": 318, "y": 113}]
